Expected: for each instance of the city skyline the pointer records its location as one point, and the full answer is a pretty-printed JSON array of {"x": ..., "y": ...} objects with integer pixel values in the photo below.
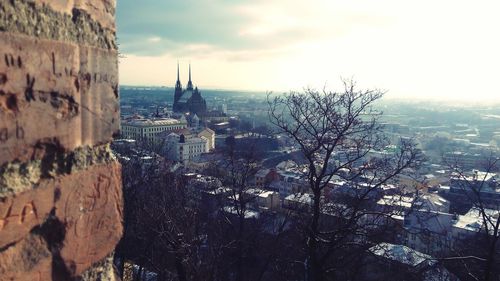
[{"x": 442, "y": 50}]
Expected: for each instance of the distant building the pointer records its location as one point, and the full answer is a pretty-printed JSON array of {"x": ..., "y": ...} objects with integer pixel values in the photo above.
[
  {"x": 185, "y": 145},
  {"x": 263, "y": 199},
  {"x": 222, "y": 108},
  {"x": 342, "y": 157},
  {"x": 212, "y": 118},
  {"x": 397, "y": 262},
  {"x": 210, "y": 136},
  {"x": 437, "y": 232},
  {"x": 123, "y": 144},
  {"x": 298, "y": 201},
  {"x": 466, "y": 188},
  {"x": 464, "y": 160},
  {"x": 264, "y": 177},
  {"x": 466, "y": 227},
  {"x": 286, "y": 178},
  {"x": 189, "y": 99},
  {"x": 195, "y": 122},
  {"x": 428, "y": 231},
  {"x": 396, "y": 128},
  {"x": 144, "y": 129},
  {"x": 184, "y": 149}
]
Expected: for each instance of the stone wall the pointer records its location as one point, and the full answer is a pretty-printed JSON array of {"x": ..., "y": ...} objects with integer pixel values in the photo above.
[{"x": 60, "y": 185}]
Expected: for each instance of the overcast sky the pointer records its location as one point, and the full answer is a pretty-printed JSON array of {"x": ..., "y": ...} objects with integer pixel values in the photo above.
[{"x": 430, "y": 49}]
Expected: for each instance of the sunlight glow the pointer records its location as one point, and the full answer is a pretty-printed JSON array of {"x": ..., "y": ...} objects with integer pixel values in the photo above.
[{"x": 424, "y": 49}]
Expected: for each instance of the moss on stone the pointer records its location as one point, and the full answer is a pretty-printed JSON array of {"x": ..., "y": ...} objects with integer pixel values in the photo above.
[
  {"x": 42, "y": 22},
  {"x": 103, "y": 270},
  {"x": 17, "y": 177}
]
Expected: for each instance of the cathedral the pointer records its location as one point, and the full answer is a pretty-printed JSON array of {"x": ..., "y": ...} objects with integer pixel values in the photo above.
[{"x": 188, "y": 100}]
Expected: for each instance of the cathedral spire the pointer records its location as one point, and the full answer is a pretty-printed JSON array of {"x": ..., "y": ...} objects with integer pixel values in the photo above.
[
  {"x": 178, "y": 82},
  {"x": 190, "y": 83}
]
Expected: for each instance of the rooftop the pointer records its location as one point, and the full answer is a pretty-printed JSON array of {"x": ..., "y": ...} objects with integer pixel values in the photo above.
[
  {"x": 304, "y": 198},
  {"x": 260, "y": 192},
  {"x": 144, "y": 122},
  {"x": 473, "y": 219},
  {"x": 396, "y": 200},
  {"x": 249, "y": 214},
  {"x": 476, "y": 175},
  {"x": 400, "y": 253}
]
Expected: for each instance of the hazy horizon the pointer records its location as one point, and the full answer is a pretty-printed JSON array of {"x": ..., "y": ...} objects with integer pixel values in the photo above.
[
  {"x": 422, "y": 50},
  {"x": 450, "y": 101}
]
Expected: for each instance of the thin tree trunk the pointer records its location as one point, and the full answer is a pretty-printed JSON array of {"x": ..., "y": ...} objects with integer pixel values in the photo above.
[
  {"x": 161, "y": 276},
  {"x": 313, "y": 267},
  {"x": 139, "y": 274},
  {"x": 488, "y": 274},
  {"x": 181, "y": 271},
  {"x": 241, "y": 229}
]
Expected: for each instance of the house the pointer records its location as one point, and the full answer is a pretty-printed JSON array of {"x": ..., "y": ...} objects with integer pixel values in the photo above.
[
  {"x": 386, "y": 261},
  {"x": 184, "y": 149}
]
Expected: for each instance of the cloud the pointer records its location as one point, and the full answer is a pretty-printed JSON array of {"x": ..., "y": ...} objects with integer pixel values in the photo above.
[
  {"x": 183, "y": 22},
  {"x": 198, "y": 28},
  {"x": 154, "y": 39},
  {"x": 422, "y": 48}
]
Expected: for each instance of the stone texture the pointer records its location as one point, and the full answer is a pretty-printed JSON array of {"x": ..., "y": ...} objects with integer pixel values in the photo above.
[
  {"x": 60, "y": 186},
  {"x": 70, "y": 91},
  {"x": 92, "y": 216},
  {"x": 102, "y": 11},
  {"x": 68, "y": 21},
  {"x": 102, "y": 271},
  {"x": 27, "y": 260},
  {"x": 17, "y": 177},
  {"x": 86, "y": 204}
]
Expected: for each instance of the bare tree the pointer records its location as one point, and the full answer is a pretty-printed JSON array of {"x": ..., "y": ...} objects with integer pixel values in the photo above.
[
  {"x": 171, "y": 232},
  {"x": 477, "y": 257},
  {"x": 161, "y": 220},
  {"x": 324, "y": 124},
  {"x": 248, "y": 252}
]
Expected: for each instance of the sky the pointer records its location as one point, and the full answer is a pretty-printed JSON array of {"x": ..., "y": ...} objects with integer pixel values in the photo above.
[{"x": 426, "y": 49}]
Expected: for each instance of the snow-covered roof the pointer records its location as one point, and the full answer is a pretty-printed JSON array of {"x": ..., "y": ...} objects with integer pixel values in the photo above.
[
  {"x": 249, "y": 214},
  {"x": 260, "y": 192},
  {"x": 402, "y": 254},
  {"x": 305, "y": 198},
  {"x": 396, "y": 200},
  {"x": 473, "y": 219},
  {"x": 286, "y": 165}
]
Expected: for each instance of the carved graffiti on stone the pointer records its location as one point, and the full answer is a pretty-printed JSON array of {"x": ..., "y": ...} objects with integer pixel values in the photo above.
[
  {"x": 28, "y": 211},
  {"x": 19, "y": 131},
  {"x": 87, "y": 210},
  {"x": 12, "y": 60},
  {"x": 5, "y": 135},
  {"x": 4, "y": 218}
]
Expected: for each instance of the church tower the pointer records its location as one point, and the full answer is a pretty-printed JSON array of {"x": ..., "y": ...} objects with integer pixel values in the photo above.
[
  {"x": 189, "y": 99},
  {"x": 178, "y": 89},
  {"x": 189, "y": 84}
]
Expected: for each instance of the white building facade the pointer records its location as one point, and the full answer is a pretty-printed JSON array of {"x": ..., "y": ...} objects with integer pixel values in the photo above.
[
  {"x": 143, "y": 129},
  {"x": 182, "y": 149}
]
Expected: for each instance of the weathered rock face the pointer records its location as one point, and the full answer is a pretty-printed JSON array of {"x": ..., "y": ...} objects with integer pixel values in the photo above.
[{"x": 60, "y": 186}]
